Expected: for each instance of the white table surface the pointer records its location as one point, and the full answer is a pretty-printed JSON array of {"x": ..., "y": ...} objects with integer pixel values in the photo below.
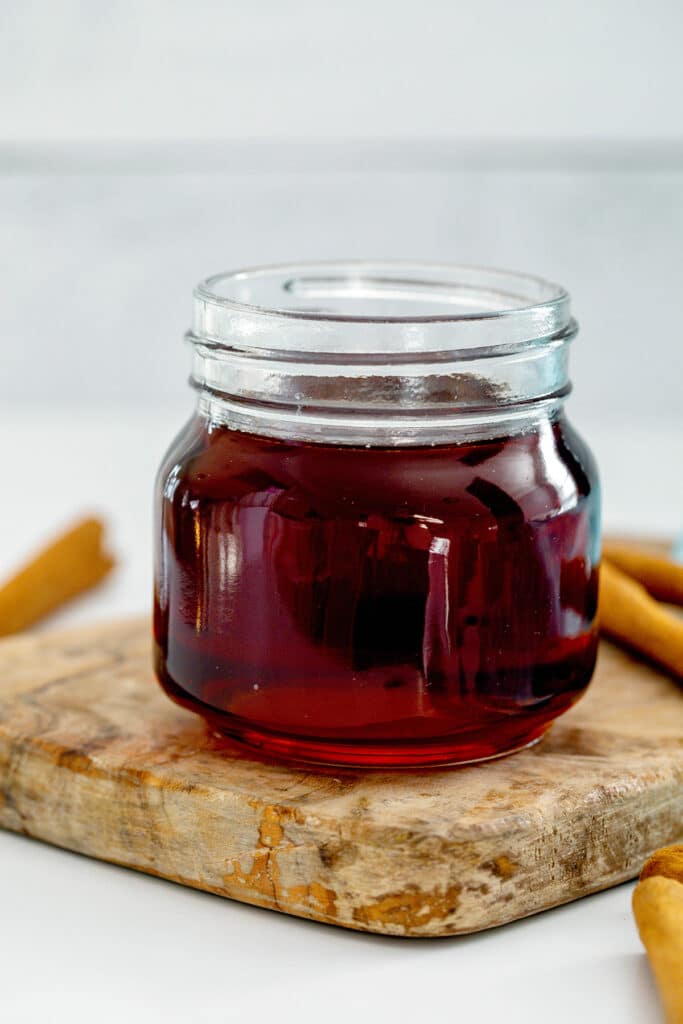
[{"x": 87, "y": 941}]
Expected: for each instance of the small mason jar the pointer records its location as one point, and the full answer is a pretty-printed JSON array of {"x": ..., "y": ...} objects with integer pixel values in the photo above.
[{"x": 378, "y": 536}]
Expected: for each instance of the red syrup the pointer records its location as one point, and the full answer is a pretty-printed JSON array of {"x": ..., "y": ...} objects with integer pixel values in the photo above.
[{"x": 377, "y": 607}]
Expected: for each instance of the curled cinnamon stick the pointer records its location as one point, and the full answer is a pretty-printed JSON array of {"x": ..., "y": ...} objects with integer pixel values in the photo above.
[
  {"x": 667, "y": 862},
  {"x": 72, "y": 563},
  {"x": 661, "y": 577},
  {"x": 658, "y": 910},
  {"x": 631, "y": 616}
]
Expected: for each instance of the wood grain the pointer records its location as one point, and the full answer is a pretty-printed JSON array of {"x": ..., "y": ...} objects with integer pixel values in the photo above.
[{"x": 94, "y": 758}]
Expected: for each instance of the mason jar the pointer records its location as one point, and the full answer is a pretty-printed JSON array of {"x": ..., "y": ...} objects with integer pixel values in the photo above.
[{"x": 377, "y": 537}]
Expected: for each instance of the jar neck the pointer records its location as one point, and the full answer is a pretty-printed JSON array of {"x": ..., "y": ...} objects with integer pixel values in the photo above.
[
  {"x": 379, "y": 405},
  {"x": 374, "y": 434},
  {"x": 380, "y": 354}
]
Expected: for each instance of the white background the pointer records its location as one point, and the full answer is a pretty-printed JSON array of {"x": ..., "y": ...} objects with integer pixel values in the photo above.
[
  {"x": 144, "y": 145},
  {"x": 163, "y": 69}
]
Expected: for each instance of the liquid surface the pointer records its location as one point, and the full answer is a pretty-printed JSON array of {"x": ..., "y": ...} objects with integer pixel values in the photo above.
[{"x": 377, "y": 606}]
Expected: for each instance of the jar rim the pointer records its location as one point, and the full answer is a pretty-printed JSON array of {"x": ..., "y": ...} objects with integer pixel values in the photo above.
[
  {"x": 385, "y": 307},
  {"x": 206, "y": 288}
]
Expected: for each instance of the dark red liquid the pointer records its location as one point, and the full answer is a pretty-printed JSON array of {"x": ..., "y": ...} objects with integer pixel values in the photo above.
[{"x": 377, "y": 606}]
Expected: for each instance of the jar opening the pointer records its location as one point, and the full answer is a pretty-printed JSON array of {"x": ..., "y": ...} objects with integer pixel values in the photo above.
[{"x": 375, "y": 308}]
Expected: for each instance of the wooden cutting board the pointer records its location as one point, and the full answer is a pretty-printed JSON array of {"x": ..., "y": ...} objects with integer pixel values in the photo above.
[{"x": 94, "y": 758}]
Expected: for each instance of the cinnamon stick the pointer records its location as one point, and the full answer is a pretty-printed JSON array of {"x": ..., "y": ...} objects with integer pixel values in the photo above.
[
  {"x": 71, "y": 564},
  {"x": 631, "y": 616},
  {"x": 667, "y": 862},
  {"x": 658, "y": 910},
  {"x": 661, "y": 577}
]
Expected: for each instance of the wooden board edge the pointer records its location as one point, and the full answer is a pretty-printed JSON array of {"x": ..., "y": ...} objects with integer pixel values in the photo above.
[{"x": 274, "y": 857}]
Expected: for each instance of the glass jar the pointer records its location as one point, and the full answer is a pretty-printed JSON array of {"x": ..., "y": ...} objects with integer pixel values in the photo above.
[{"x": 378, "y": 535}]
